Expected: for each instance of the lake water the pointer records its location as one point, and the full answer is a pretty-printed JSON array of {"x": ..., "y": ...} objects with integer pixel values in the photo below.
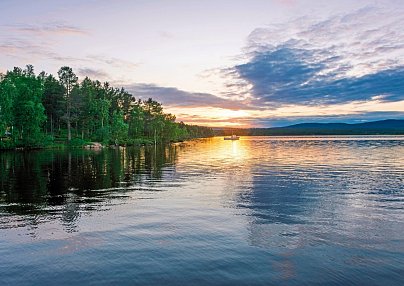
[{"x": 258, "y": 211}]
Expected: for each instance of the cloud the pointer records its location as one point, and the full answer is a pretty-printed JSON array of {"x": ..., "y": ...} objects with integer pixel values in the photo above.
[
  {"x": 345, "y": 58},
  {"x": 38, "y": 42},
  {"x": 171, "y": 96},
  {"x": 212, "y": 116},
  {"x": 54, "y": 28},
  {"x": 288, "y": 75},
  {"x": 29, "y": 50},
  {"x": 112, "y": 61},
  {"x": 286, "y": 2},
  {"x": 166, "y": 35},
  {"x": 93, "y": 73}
]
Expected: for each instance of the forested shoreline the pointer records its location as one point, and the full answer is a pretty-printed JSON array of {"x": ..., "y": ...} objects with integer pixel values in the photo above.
[{"x": 44, "y": 111}]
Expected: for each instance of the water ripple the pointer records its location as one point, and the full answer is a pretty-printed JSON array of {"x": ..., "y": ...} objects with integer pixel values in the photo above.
[{"x": 258, "y": 211}]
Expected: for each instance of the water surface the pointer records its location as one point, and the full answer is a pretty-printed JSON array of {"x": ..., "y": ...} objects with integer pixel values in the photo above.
[{"x": 258, "y": 211}]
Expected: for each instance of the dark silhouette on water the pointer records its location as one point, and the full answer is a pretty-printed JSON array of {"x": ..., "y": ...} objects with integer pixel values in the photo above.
[{"x": 31, "y": 183}]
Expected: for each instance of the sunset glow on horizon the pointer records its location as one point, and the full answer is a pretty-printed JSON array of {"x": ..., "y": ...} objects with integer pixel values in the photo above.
[{"x": 224, "y": 63}]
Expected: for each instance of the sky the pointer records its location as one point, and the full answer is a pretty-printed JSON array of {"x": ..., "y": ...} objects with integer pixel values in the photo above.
[{"x": 256, "y": 63}]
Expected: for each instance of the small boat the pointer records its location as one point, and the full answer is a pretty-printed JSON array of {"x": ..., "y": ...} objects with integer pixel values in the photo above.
[{"x": 232, "y": 137}]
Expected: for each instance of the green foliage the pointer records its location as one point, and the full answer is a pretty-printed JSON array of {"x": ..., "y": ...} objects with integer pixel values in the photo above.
[
  {"x": 68, "y": 80},
  {"x": 101, "y": 135},
  {"x": 7, "y": 97},
  {"x": 53, "y": 101},
  {"x": 43, "y": 111},
  {"x": 22, "y": 111},
  {"x": 119, "y": 129},
  {"x": 6, "y": 143},
  {"x": 78, "y": 142}
]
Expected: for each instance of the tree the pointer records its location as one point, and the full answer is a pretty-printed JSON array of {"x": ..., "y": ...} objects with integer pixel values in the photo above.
[
  {"x": 97, "y": 110},
  {"x": 7, "y": 97},
  {"x": 171, "y": 130},
  {"x": 69, "y": 80},
  {"x": 28, "y": 110},
  {"x": 136, "y": 121},
  {"x": 153, "y": 112},
  {"x": 53, "y": 101},
  {"x": 119, "y": 129}
]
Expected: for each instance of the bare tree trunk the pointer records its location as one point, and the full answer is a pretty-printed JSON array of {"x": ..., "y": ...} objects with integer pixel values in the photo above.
[
  {"x": 51, "y": 118},
  {"x": 69, "y": 132}
]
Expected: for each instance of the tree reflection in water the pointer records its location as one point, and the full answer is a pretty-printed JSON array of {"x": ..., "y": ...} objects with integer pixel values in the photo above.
[{"x": 63, "y": 184}]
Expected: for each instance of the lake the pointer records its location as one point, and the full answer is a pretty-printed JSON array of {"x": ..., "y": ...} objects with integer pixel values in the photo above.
[{"x": 258, "y": 211}]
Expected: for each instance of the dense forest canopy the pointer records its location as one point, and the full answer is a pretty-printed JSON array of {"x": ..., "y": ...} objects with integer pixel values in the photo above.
[{"x": 40, "y": 110}]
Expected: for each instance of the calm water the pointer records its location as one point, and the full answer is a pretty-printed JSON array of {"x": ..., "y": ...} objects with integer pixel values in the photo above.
[{"x": 259, "y": 211}]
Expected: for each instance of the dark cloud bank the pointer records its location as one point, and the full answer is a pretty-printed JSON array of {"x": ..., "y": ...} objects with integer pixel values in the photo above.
[
  {"x": 345, "y": 58},
  {"x": 288, "y": 75},
  {"x": 174, "y": 97}
]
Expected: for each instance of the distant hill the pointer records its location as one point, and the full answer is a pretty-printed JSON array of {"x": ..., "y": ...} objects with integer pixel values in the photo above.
[
  {"x": 383, "y": 124},
  {"x": 390, "y": 126}
]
